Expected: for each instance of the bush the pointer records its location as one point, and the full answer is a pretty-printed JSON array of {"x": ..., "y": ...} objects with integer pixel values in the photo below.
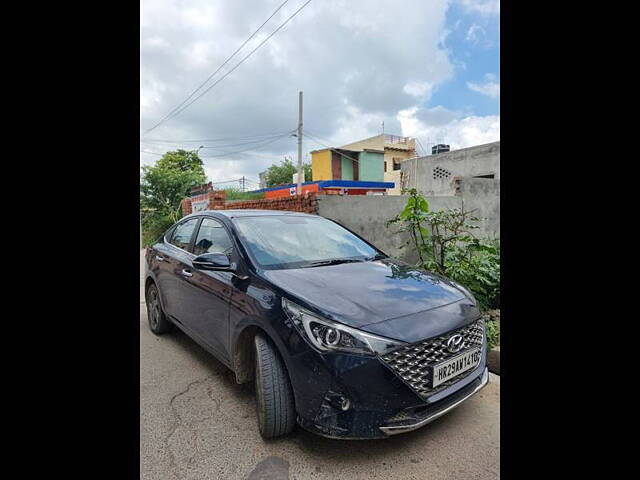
[
  {"x": 153, "y": 226},
  {"x": 476, "y": 265},
  {"x": 446, "y": 245},
  {"x": 234, "y": 193},
  {"x": 493, "y": 333}
]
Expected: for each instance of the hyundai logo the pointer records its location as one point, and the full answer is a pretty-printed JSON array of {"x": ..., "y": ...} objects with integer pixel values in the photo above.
[{"x": 454, "y": 343}]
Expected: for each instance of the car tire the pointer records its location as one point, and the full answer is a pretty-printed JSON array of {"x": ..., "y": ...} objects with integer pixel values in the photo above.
[
  {"x": 158, "y": 321},
  {"x": 274, "y": 396}
]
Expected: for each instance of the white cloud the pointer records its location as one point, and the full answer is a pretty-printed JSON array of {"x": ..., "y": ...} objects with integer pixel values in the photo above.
[
  {"x": 155, "y": 42},
  {"x": 356, "y": 66},
  {"x": 483, "y": 7},
  {"x": 199, "y": 16},
  {"x": 475, "y": 32},
  {"x": 490, "y": 88},
  {"x": 442, "y": 126},
  {"x": 420, "y": 90}
]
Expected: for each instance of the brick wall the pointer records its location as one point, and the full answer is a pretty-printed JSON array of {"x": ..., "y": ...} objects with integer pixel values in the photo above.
[
  {"x": 217, "y": 201},
  {"x": 299, "y": 203}
]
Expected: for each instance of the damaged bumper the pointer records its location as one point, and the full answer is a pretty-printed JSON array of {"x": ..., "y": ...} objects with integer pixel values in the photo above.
[
  {"x": 437, "y": 411},
  {"x": 357, "y": 397}
]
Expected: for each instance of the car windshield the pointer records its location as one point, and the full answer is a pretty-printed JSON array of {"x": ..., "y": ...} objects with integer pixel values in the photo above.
[{"x": 294, "y": 241}]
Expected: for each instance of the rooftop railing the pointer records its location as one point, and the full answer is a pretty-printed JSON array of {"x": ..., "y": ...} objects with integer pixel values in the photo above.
[{"x": 397, "y": 139}]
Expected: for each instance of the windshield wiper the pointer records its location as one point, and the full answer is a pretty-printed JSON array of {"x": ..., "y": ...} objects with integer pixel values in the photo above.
[
  {"x": 334, "y": 261},
  {"x": 377, "y": 256}
]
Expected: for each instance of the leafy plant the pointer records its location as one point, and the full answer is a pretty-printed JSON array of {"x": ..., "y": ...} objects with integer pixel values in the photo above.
[
  {"x": 493, "y": 333},
  {"x": 476, "y": 265},
  {"x": 446, "y": 245}
]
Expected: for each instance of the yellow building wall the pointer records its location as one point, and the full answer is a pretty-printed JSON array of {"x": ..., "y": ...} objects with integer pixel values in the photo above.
[
  {"x": 389, "y": 155},
  {"x": 395, "y": 177},
  {"x": 321, "y": 165}
]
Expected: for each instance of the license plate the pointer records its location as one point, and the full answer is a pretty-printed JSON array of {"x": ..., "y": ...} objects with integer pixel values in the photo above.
[{"x": 455, "y": 366}]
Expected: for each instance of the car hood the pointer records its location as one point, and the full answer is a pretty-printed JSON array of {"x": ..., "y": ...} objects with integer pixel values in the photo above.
[{"x": 386, "y": 297}]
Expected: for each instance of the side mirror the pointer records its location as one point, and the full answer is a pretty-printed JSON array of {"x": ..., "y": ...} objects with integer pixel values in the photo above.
[{"x": 212, "y": 261}]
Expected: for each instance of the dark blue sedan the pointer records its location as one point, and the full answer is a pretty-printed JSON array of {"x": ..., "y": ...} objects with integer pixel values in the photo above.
[{"x": 338, "y": 337}]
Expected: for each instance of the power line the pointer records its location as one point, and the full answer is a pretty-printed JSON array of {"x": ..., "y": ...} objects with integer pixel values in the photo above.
[
  {"x": 226, "y": 181},
  {"x": 264, "y": 143},
  {"x": 246, "y": 149},
  {"x": 218, "y": 69},
  {"x": 181, "y": 109},
  {"x": 314, "y": 138},
  {"x": 215, "y": 139},
  {"x": 219, "y": 147}
]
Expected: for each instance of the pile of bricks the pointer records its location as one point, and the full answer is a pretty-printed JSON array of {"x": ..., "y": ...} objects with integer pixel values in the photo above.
[{"x": 301, "y": 203}]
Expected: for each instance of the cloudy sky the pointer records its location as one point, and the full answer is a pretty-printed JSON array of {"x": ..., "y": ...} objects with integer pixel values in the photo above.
[{"x": 428, "y": 69}]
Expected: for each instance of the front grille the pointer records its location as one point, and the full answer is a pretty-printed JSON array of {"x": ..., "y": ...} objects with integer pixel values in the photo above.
[{"x": 413, "y": 363}]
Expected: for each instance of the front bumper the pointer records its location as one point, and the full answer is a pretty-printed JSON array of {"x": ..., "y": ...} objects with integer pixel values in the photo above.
[
  {"x": 380, "y": 404},
  {"x": 445, "y": 406}
]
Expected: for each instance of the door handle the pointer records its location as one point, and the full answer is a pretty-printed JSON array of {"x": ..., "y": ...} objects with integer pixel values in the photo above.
[
  {"x": 187, "y": 274},
  {"x": 159, "y": 258}
]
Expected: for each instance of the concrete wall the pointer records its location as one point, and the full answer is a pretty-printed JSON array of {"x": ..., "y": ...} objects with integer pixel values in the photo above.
[
  {"x": 483, "y": 196},
  {"x": 368, "y": 215},
  {"x": 435, "y": 174}
]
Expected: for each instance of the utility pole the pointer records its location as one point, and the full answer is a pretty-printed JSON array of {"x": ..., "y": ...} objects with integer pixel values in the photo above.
[
  {"x": 243, "y": 183},
  {"x": 299, "y": 189}
]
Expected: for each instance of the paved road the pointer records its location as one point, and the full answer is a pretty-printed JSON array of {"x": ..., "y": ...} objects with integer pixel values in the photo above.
[{"x": 197, "y": 423}]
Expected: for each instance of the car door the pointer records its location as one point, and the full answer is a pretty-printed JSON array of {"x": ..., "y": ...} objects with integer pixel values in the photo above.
[
  {"x": 172, "y": 258},
  {"x": 207, "y": 293}
]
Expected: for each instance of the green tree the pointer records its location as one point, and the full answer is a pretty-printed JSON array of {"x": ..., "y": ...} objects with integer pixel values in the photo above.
[
  {"x": 182, "y": 160},
  {"x": 163, "y": 186},
  {"x": 283, "y": 173}
]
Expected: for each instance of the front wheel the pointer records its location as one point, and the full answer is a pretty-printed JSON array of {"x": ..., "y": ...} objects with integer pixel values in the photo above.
[{"x": 274, "y": 396}]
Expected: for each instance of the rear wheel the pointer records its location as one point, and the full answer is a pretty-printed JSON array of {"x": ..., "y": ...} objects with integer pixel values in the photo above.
[
  {"x": 158, "y": 321},
  {"x": 274, "y": 396}
]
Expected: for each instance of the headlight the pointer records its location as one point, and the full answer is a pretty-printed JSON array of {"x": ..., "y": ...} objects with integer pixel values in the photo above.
[{"x": 326, "y": 335}]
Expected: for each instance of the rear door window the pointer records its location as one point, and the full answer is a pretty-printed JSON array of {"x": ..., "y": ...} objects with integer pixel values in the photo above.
[{"x": 182, "y": 234}]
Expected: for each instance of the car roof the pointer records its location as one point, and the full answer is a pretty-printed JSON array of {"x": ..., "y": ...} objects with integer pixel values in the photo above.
[{"x": 233, "y": 213}]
